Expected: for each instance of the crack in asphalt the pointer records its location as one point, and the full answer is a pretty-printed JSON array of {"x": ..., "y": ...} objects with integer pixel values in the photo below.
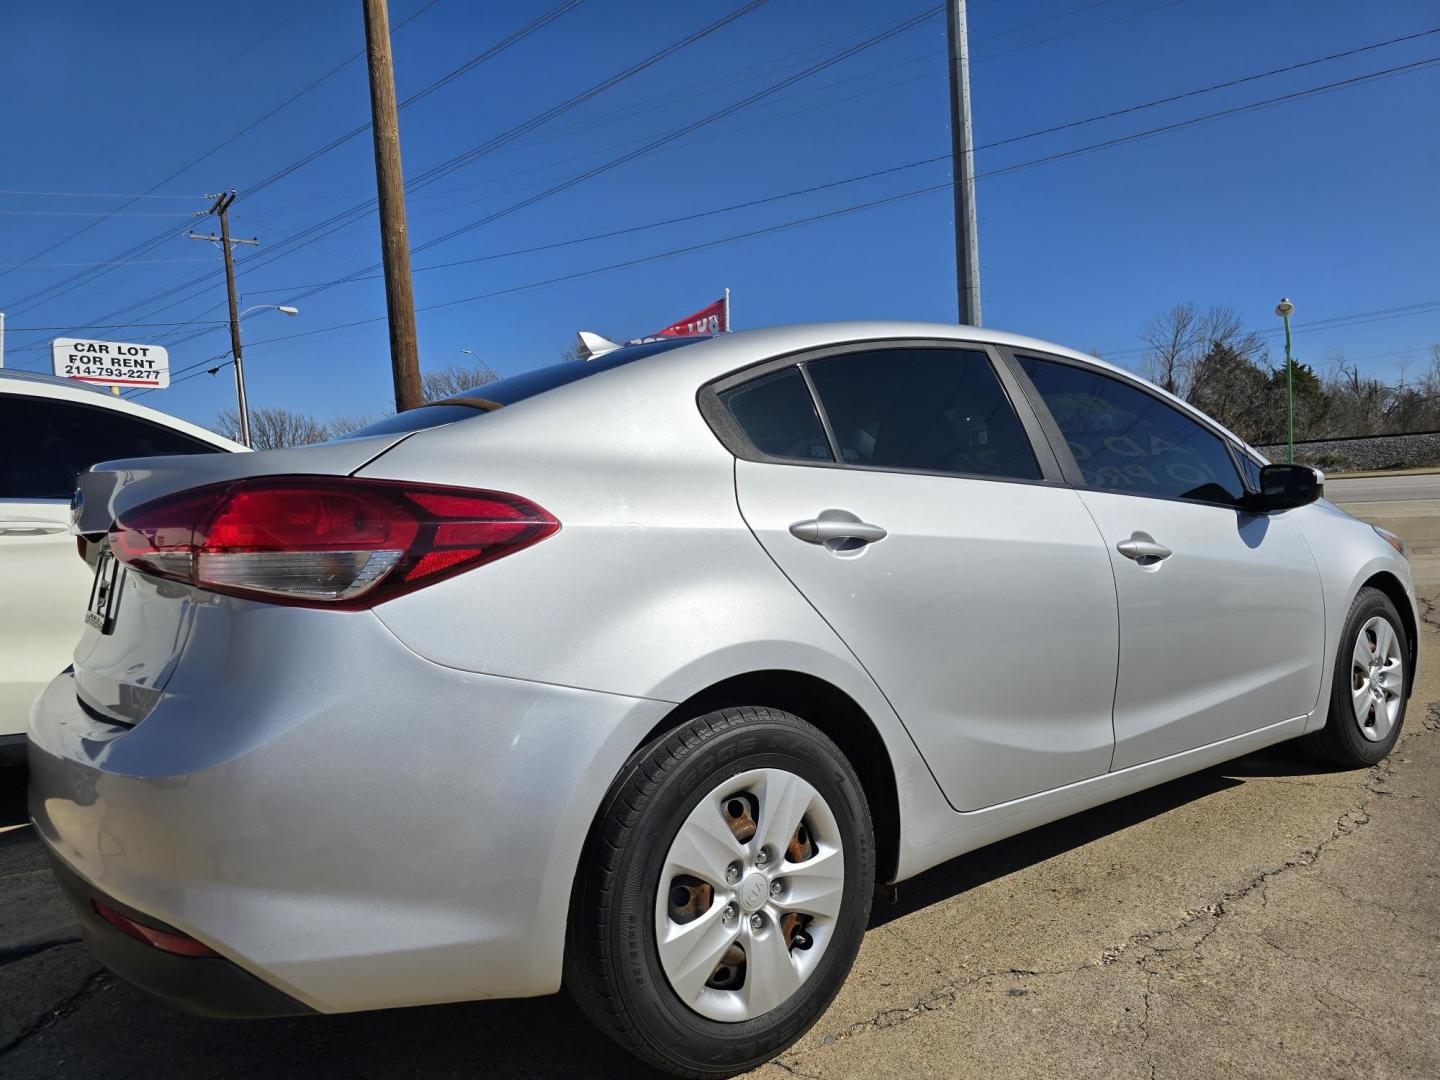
[
  {"x": 56, "y": 1013},
  {"x": 1152, "y": 944},
  {"x": 24, "y": 952},
  {"x": 1427, "y": 612}
]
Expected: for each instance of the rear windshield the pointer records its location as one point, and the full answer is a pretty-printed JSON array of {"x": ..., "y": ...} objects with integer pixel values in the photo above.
[{"x": 510, "y": 390}]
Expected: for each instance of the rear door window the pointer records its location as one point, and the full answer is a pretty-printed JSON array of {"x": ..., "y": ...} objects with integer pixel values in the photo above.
[
  {"x": 1128, "y": 440},
  {"x": 45, "y": 444},
  {"x": 930, "y": 410}
]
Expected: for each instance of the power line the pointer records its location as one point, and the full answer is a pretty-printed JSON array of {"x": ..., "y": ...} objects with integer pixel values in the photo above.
[
  {"x": 1331, "y": 323},
  {"x": 369, "y": 275},
  {"x": 297, "y": 240},
  {"x": 74, "y": 281},
  {"x": 97, "y": 195},
  {"x": 1119, "y": 140},
  {"x": 107, "y": 262},
  {"x": 212, "y": 151},
  {"x": 668, "y": 137},
  {"x": 121, "y": 326},
  {"x": 538, "y": 23},
  {"x": 345, "y": 218},
  {"x": 99, "y": 214},
  {"x": 1048, "y": 158}
]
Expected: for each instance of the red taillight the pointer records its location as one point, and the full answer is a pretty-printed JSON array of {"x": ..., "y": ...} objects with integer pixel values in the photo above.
[
  {"x": 165, "y": 940},
  {"x": 324, "y": 541}
]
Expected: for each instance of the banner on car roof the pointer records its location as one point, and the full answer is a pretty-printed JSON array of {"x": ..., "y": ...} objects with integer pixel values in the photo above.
[
  {"x": 111, "y": 363},
  {"x": 711, "y": 319}
]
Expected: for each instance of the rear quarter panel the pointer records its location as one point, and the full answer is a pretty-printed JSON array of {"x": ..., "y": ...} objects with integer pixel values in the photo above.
[{"x": 654, "y": 587}]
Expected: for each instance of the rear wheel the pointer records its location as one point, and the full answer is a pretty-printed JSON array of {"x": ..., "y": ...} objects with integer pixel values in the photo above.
[
  {"x": 1368, "y": 692},
  {"x": 724, "y": 892}
]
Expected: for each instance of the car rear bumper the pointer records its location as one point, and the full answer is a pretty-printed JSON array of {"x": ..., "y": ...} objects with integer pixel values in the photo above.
[
  {"x": 352, "y": 825},
  {"x": 205, "y": 986}
]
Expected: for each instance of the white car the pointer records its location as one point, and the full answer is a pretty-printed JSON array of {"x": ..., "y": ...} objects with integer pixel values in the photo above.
[{"x": 50, "y": 431}]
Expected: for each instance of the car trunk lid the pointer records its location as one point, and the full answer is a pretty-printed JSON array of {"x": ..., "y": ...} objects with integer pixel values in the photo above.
[{"x": 136, "y": 627}]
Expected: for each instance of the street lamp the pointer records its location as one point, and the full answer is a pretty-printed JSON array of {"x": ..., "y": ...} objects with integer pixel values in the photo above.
[
  {"x": 1284, "y": 309},
  {"x": 242, "y": 403}
]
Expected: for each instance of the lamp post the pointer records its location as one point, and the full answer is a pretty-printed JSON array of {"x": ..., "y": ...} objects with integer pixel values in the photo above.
[
  {"x": 240, "y": 400},
  {"x": 1284, "y": 309}
]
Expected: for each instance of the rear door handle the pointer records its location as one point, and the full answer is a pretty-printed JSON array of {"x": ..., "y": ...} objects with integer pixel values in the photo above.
[
  {"x": 836, "y": 525},
  {"x": 1143, "y": 548},
  {"x": 13, "y": 527}
]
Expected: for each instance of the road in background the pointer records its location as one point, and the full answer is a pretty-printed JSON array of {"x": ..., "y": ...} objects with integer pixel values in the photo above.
[{"x": 1406, "y": 487}]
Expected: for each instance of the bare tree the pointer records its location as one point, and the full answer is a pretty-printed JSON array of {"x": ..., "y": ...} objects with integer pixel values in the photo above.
[
  {"x": 453, "y": 380},
  {"x": 1178, "y": 340},
  {"x": 344, "y": 423},
  {"x": 273, "y": 428}
]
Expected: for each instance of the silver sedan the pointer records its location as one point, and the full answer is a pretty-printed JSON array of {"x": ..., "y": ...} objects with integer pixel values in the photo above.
[{"x": 638, "y": 675}]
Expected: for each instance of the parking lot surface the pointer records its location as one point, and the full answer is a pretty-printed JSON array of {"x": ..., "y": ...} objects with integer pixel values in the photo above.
[{"x": 1271, "y": 917}]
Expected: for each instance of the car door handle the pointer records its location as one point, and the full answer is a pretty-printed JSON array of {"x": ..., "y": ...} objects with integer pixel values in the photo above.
[
  {"x": 836, "y": 525},
  {"x": 13, "y": 527},
  {"x": 1143, "y": 548}
]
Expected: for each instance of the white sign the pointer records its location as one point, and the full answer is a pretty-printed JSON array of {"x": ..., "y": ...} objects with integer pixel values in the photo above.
[{"x": 111, "y": 363}]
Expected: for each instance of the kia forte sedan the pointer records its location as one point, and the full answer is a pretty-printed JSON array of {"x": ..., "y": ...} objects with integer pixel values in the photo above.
[{"x": 637, "y": 676}]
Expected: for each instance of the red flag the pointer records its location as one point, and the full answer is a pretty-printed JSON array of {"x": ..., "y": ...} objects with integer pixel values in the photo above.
[{"x": 711, "y": 319}]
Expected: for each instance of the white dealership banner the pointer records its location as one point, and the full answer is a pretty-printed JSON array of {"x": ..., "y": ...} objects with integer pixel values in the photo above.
[{"x": 111, "y": 363}]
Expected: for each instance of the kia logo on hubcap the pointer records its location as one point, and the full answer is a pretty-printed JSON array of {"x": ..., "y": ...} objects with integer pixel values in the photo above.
[{"x": 754, "y": 892}]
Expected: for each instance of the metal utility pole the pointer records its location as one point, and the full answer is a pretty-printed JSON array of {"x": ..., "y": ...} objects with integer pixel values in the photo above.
[
  {"x": 1285, "y": 309},
  {"x": 390, "y": 181},
  {"x": 222, "y": 210},
  {"x": 962, "y": 144}
]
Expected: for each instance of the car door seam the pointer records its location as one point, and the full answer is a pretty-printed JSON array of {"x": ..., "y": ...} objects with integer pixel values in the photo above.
[
  {"x": 1119, "y": 626},
  {"x": 735, "y": 484}
]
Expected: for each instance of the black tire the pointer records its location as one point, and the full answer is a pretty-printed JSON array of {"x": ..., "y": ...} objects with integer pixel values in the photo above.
[
  {"x": 613, "y": 968},
  {"x": 1340, "y": 742}
]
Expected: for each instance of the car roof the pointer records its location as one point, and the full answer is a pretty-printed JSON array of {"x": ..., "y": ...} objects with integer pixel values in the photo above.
[
  {"x": 722, "y": 351},
  {"x": 39, "y": 385}
]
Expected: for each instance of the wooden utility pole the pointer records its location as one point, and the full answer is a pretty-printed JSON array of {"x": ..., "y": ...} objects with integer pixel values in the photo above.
[
  {"x": 390, "y": 182},
  {"x": 962, "y": 151},
  {"x": 221, "y": 209}
]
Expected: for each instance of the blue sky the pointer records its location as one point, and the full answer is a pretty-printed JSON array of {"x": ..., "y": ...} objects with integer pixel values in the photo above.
[{"x": 1330, "y": 198}]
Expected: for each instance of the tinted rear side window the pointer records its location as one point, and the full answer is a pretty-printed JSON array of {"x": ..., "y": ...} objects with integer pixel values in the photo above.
[
  {"x": 778, "y": 416},
  {"x": 46, "y": 444},
  {"x": 1127, "y": 440},
  {"x": 931, "y": 410}
]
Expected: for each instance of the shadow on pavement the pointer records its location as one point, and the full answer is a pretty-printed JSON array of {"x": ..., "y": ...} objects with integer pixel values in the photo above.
[
  {"x": 12, "y": 795},
  {"x": 117, "y": 1032},
  {"x": 1028, "y": 848}
]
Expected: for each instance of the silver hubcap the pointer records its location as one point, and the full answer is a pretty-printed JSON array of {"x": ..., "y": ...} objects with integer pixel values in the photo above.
[
  {"x": 1377, "y": 679},
  {"x": 749, "y": 895}
]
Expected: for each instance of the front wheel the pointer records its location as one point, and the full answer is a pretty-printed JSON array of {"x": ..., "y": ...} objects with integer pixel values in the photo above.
[
  {"x": 724, "y": 892},
  {"x": 1368, "y": 692}
]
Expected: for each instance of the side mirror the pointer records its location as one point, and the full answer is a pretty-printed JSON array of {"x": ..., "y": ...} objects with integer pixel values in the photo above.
[{"x": 1284, "y": 487}]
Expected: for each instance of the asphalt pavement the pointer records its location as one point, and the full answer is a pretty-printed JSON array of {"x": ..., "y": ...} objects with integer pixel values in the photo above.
[
  {"x": 1404, "y": 487},
  {"x": 1268, "y": 918}
]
